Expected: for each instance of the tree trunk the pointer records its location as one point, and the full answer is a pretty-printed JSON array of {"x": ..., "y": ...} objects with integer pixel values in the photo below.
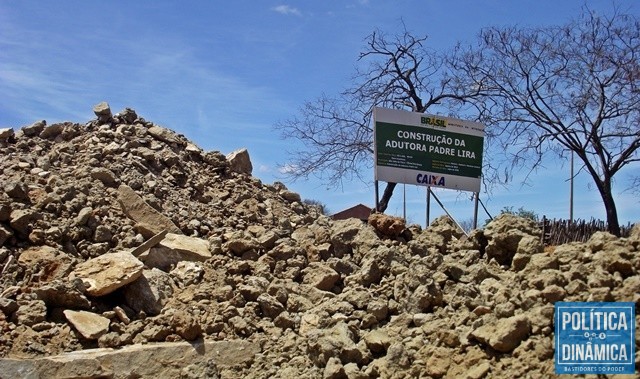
[
  {"x": 383, "y": 203},
  {"x": 604, "y": 187}
]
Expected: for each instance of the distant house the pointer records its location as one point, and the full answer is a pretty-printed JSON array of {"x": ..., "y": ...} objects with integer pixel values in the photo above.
[{"x": 359, "y": 211}]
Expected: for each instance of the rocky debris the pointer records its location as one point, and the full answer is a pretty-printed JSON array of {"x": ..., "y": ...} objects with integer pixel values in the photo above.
[{"x": 128, "y": 224}]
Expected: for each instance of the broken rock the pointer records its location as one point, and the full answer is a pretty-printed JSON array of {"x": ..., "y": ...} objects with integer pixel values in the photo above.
[
  {"x": 320, "y": 276},
  {"x": 504, "y": 335},
  {"x": 239, "y": 162},
  {"x": 175, "y": 248},
  {"x": 149, "y": 292},
  {"x": 108, "y": 272},
  {"x": 90, "y": 325},
  {"x": 138, "y": 210},
  {"x": 386, "y": 225},
  {"x": 103, "y": 112}
]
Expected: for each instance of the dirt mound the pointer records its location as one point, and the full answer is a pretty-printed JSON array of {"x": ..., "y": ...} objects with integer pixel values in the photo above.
[{"x": 122, "y": 234}]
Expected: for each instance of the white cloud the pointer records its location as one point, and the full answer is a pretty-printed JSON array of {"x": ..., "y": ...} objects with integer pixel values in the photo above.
[
  {"x": 264, "y": 168},
  {"x": 286, "y": 10},
  {"x": 288, "y": 169}
]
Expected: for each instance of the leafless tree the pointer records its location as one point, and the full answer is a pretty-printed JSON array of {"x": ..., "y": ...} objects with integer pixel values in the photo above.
[
  {"x": 336, "y": 135},
  {"x": 571, "y": 88}
]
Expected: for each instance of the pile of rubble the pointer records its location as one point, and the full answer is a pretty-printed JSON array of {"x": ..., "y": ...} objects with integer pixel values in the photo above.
[{"x": 127, "y": 251}]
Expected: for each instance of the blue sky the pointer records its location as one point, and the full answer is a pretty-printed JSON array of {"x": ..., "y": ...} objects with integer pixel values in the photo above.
[{"x": 224, "y": 72}]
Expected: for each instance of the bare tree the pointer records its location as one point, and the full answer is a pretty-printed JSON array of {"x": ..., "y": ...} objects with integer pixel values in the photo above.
[
  {"x": 336, "y": 134},
  {"x": 572, "y": 88}
]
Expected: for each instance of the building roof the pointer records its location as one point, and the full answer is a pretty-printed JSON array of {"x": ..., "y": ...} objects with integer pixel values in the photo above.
[{"x": 359, "y": 211}]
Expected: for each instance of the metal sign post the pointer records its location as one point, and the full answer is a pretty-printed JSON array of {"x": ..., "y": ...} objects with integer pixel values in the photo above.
[
  {"x": 377, "y": 197},
  {"x": 428, "y": 206},
  {"x": 475, "y": 209},
  {"x": 447, "y": 212}
]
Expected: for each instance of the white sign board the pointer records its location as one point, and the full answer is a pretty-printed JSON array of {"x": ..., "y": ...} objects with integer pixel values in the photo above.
[{"x": 421, "y": 149}]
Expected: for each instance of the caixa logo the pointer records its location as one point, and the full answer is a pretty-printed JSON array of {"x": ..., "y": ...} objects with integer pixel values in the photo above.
[{"x": 430, "y": 180}]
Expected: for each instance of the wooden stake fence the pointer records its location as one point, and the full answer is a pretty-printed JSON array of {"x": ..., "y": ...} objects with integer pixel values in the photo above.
[{"x": 557, "y": 232}]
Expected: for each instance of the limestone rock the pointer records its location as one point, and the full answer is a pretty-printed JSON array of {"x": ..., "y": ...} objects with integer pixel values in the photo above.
[
  {"x": 138, "y": 210},
  {"x": 52, "y": 131},
  {"x": 103, "y": 112},
  {"x": 5, "y": 234},
  {"x": 63, "y": 294},
  {"x": 320, "y": 276},
  {"x": 337, "y": 342},
  {"x": 142, "y": 361},
  {"x": 108, "y": 272},
  {"x": 504, "y": 234},
  {"x": 240, "y": 162},
  {"x": 505, "y": 335},
  {"x": 290, "y": 196},
  {"x": 165, "y": 135},
  {"x": 30, "y": 312},
  {"x": 175, "y": 248},
  {"x": 239, "y": 243},
  {"x": 34, "y": 129},
  {"x": 127, "y": 116},
  {"x": 334, "y": 369},
  {"x": 311, "y": 296},
  {"x": 186, "y": 325},
  {"x": 8, "y": 306},
  {"x": 377, "y": 341},
  {"x": 446, "y": 227},
  {"x": 106, "y": 176},
  {"x": 149, "y": 292},
  {"x": 386, "y": 225},
  {"x": 269, "y": 305},
  {"x": 83, "y": 216},
  {"x": 17, "y": 190},
  {"x": 187, "y": 273},
  {"x": 343, "y": 233},
  {"x": 6, "y": 134},
  {"x": 89, "y": 324},
  {"x": 148, "y": 244},
  {"x": 22, "y": 220}
]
